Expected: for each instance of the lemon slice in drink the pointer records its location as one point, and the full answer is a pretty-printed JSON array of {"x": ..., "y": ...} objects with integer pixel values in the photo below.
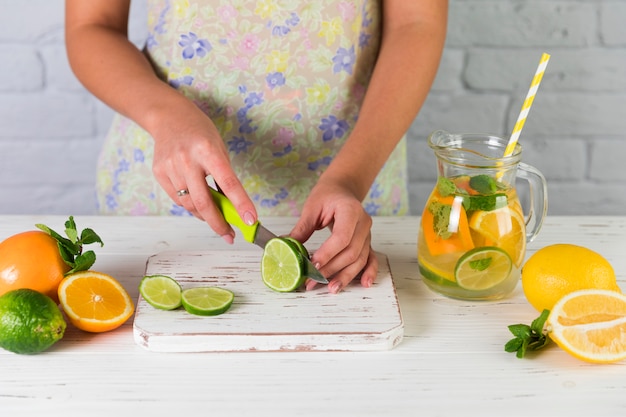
[
  {"x": 161, "y": 291},
  {"x": 207, "y": 301},
  {"x": 281, "y": 265},
  {"x": 482, "y": 268},
  {"x": 503, "y": 227}
]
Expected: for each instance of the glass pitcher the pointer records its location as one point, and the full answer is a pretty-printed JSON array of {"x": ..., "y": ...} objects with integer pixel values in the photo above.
[{"x": 473, "y": 233}]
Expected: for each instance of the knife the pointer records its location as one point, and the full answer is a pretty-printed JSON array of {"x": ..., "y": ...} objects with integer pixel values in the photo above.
[{"x": 257, "y": 233}]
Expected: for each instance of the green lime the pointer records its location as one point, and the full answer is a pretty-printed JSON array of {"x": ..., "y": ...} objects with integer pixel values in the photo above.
[
  {"x": 298, "y": 245},
  {"x": 281, "y": 266},
  {"x": 30, "y": 322},
  {"x": 482, "y": 268},
  {"x": 161, "y": 291},
  {"x": 207, "y": 301},
  {"x": 434, "y": 277}
]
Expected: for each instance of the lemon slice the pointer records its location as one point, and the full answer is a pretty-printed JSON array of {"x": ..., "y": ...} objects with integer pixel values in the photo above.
[
  {"x": 207, "y": 301},
  {"x": 161, "y": 291},
  {"x": 504, "y": 227},
  {"x": 281, "y": 266},
  {"x": 482, "y": 268}
]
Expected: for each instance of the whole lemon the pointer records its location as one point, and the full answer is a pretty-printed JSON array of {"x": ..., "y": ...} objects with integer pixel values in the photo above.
[{"x": 556, "y": 270}]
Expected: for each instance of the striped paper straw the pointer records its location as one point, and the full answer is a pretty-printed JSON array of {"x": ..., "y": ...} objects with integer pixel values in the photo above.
[{"x": 534, "y": 86}]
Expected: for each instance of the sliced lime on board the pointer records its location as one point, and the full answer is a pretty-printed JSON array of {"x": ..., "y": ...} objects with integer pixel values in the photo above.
[
  {"x": 161, "y": 291},
  {"x": 281, "y": 265},
  {"x": 482, "y": 268},
  {"x": 207, "y": 301}
]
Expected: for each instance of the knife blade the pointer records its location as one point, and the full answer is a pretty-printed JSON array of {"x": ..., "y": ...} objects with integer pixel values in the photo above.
[{"x": 257, "y": 233}]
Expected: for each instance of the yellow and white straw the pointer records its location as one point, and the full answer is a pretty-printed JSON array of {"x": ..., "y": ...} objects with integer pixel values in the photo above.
[{"x": 534, "y": 86}]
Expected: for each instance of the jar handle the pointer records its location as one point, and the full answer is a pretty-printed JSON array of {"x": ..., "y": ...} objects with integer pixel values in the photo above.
[{"x": 538, "y": 199}]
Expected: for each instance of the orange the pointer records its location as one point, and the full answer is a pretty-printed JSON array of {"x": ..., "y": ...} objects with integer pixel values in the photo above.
[
  {"x": 556, "y": 270},
  {"x": 590, "y": 325},
  {"x": 458, "y": 241},
  {"x": 94, "y": 301},
  {"x": 504, "y": 228},
  {"x": 31, "y": 260}
]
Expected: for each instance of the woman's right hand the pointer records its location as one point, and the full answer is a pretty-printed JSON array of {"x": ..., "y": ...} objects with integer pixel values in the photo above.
[
  {"x": 187, "y": 145},
  {"x": 187, "y": 149}
]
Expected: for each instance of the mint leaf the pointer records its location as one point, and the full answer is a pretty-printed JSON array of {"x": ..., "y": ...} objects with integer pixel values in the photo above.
[
  {"x": 71, "y": 247},
  {"x": 528, "y": 337}
]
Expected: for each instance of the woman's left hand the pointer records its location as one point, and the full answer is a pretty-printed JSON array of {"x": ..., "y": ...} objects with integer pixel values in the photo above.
[{"x": 347, "y": 253}]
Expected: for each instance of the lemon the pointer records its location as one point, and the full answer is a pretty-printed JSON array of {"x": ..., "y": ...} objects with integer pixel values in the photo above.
[
  {"x": 207, "y": 301},
  {"x": 557, "y": 270},
  {"x": 282, "y": 265},
  {"x": 161, "y": 291},
  {"x": 30, "y": 322},
  {"x": 503, "y": 227},
  {"x": 483, "y": 268}
]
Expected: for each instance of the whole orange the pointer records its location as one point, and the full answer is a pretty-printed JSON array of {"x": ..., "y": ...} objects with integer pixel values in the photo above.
[{"x": 31, "y": 260}]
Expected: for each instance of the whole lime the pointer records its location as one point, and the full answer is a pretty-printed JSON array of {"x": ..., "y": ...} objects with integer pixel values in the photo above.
[{"x": 30, "y": 322}]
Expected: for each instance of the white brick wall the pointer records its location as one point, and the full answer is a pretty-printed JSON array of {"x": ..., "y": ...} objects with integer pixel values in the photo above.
[{"x": 51, "y": 128}]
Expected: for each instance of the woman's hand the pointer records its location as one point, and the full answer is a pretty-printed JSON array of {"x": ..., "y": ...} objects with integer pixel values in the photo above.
[
  {"x": 347, "y": 253},
  {"x": 188, "y": 148}
]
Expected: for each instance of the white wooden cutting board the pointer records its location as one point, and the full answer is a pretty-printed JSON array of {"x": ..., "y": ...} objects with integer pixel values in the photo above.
[{"x": 357, "y": 319}]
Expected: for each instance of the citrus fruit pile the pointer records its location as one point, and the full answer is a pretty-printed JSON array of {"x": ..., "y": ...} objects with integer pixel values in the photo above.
[
  {"x": 40, "y": 269},
  {"x": 165, "y": 293},
  {"x": 582, "y": 306}
]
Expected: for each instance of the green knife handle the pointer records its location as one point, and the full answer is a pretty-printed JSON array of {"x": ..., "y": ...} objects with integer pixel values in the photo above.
[{"x": 232, "y": 217}]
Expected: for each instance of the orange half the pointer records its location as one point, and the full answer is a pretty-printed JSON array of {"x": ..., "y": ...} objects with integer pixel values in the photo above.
[
  {"x": 95, "y": 302},
  {"x": 590, "y": 325}
]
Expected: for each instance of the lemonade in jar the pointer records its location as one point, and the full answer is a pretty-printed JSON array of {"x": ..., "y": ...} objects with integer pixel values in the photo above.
[{"x": 473, "y": 232}]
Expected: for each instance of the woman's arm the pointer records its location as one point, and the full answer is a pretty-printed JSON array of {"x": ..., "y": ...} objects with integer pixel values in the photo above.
[
  {"x": 187, "y": 144},
  {"x": 412, "y": 41}
]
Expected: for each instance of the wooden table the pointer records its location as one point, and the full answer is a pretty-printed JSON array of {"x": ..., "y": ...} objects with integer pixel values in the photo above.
[{"x": 451, "y": 361}]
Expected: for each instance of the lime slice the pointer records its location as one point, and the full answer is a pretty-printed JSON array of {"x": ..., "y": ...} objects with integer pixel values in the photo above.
[
  {"x": 161, "y": 291},
  {"x": 281, "y": 266},
  {"x": 207, "y": 301},
  {"x": 482, "y": 268}
]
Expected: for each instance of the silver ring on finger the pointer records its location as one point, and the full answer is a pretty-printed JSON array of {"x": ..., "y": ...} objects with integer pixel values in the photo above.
[{"x": 182, "y": 192}]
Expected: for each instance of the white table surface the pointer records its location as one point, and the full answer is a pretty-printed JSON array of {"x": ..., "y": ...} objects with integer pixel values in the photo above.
[{"x": 451, "y": 361}]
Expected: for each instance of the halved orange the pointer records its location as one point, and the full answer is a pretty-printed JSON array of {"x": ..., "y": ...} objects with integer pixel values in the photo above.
[
  {"x": 94, "y": 301},
  {"x": 590, "y": 325}
]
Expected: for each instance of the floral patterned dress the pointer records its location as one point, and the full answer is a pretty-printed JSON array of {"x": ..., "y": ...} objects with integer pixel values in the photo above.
[{"x": 283, "y": 81}]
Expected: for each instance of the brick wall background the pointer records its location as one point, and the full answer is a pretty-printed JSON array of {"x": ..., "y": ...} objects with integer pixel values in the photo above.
[{"x": 51, "y": 128}]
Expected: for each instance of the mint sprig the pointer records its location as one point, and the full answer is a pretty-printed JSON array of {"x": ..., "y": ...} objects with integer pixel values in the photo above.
[
  {"x": 71, "y": 247},
  {"x": 528, "y": 337}
]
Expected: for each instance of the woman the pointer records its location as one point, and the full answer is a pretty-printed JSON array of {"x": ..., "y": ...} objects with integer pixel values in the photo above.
[{"x": 292, "y": 107}]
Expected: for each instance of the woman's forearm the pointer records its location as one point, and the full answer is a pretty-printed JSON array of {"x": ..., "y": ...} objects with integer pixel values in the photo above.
[
  {"x": 407, "y": 64},
  {"x": 116, "y": 71}
]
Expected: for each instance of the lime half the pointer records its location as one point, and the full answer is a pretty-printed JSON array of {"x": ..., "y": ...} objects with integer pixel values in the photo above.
[
  {"x": 161, "y": 291},
  {"x": 298, "y": 245},
  {"x": 207, "y": 301},
  {"x": 281, "y": 265},
  {"x": 482, "y": 268}
]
